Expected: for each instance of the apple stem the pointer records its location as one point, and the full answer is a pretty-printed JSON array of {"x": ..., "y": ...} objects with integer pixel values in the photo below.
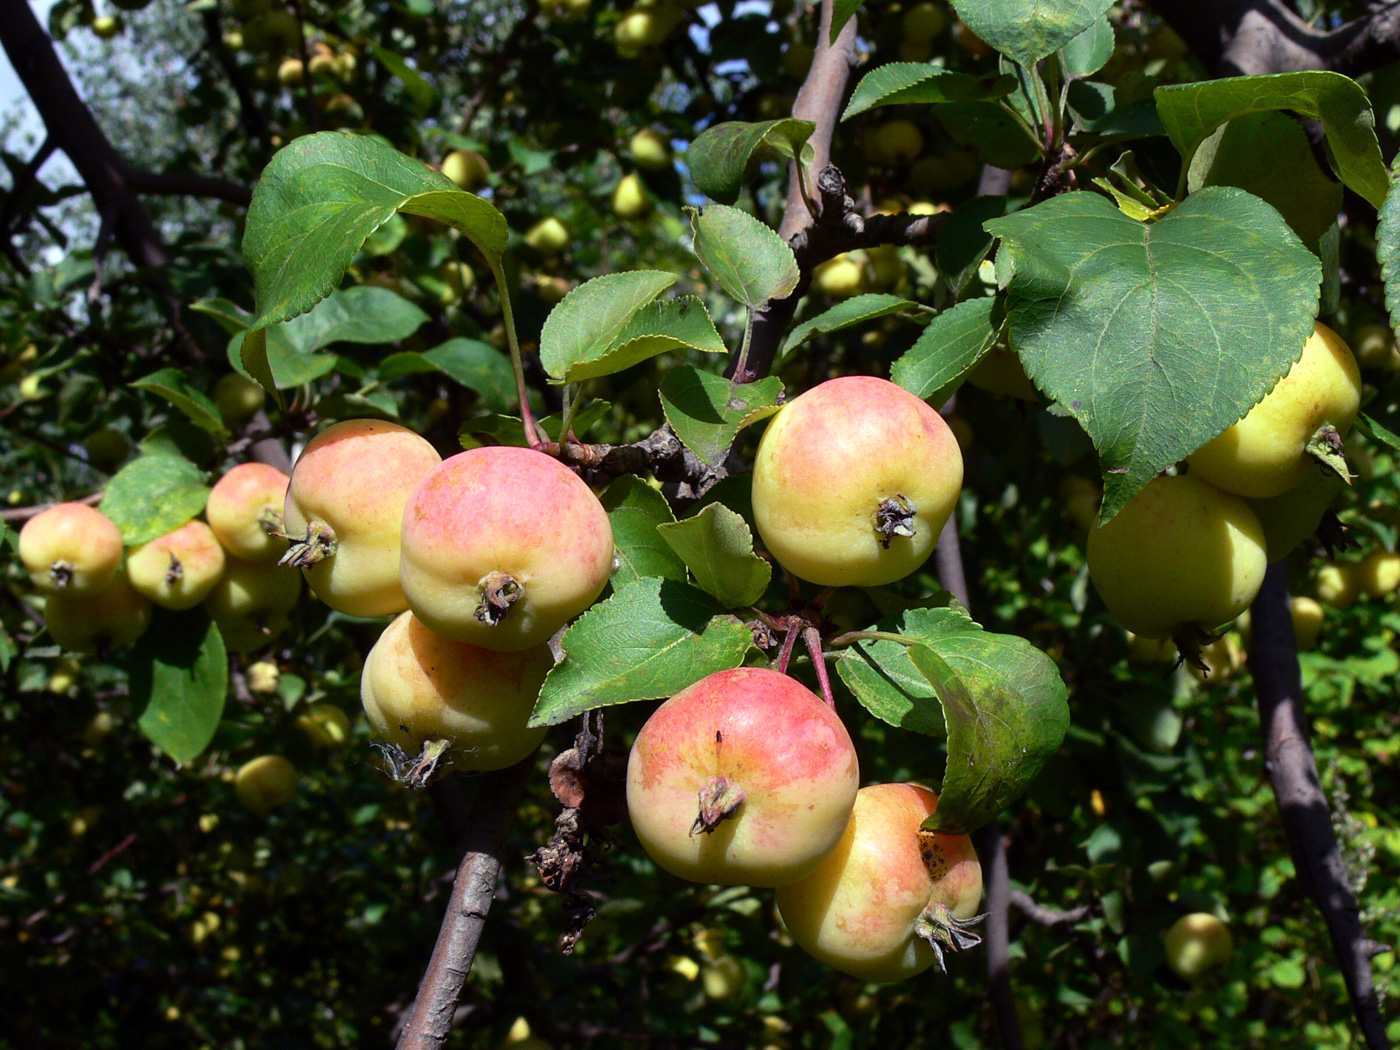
[
  {"x": 813, "y": 638},
  {"x": 499, "y": 591},
  {"x": 532, "y": 437},
  {"x": 317, "y": 545},
  {"x": 789, "y": 641},
  {"x": 851, "y": 637},
  {"x": 719, "y": 801}
]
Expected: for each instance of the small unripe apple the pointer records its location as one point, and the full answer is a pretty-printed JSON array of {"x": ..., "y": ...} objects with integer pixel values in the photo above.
[
  {"x": 70, "y": 548},
  {"x": 650, "y": 150},
  {"x": 1336, "y": 585},
  {"x": 179, "y": 569},
  {"x": 245, "y": 510},
  {"x": 266, "y": 783},
  {"x": 840, "y": 277},
  {"x": 290, "y": 72},
  {"x": 883, "y": 267},
  {"x": 922, "y": 22},
  {"x": 251, "y": 601},
  {"x": 1197, "y": 943},
  {"x": 1374, "y": 345},
  {"x": 940, "y": 173},
  {"x": 630, "y": 199},
  {"x": 969, "y": 41},
  {"x": 87, "y": 623},
  {"x": 237, "y": 399},
  {"x": 1291, "y": 518},
  {"x": 644, "y": 27},
  {"x": 723, "y": 978},
  {"x": 743, "y": 778},
  {"x": 549, "y": 236},
  {"x": 894, "y": 143},
  {"x": 1379, "y": 573},
  {"x": 891, "y": 897},
  {"x": 458, "y": 278},
  {"x": 324, "y": 64},
  {"x": 418, "y": 686},
  {"x": 106, "y": 26},
  {"x": 853, "y": 481},
  {"x": 564, "y": 10},
  {"x": 467, "y": 168},
  {"x": 264, "y": 677},
  {"x": 1308, "y": 615},
  {"x": 503, "y": 546},
  {"x": 325, "y": 725},
  {"x": 233, "y": 39},
  {"x": 1001, "y": 372},
  {"x": 107, "y": 449},
  {"x": 345, "y": 505},
  {"x": 1266, "y": 453},
  {"x": 1222, "y": 657}
]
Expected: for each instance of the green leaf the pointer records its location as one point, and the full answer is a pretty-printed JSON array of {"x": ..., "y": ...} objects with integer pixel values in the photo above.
[
  {"x": 885, "y": 681},
  {"x": 590, "y": 320},
  {"x": 963, "y": 242},
  {"x": 476, "y": 365},
  {"x": 717, "y": 546},
  {"x": 635, "y": 509},
  {"x": 707, "y": 411},
  {"x": 1156, "y": 337},
  {"x": 1388, "y": 251},
  {"x": 1026, "y": 31},
  {"x": 1191, "y": 112},
  {"x": 318, "y": 200},
  {"x": 748, "y": 258},
  {"x": 179, "y": 674},
  {"x": 649, "y": 640},
  {"x": 842, "y": 11},
  {"x": 904, "y": 83},
  {"x": 231, "y": 317},
  {"x": 658, "y": 328},
  {"x": 1087, "y": 53},
  {"x": 952, "y": 343},
  {"x": 724, "y": 157},
  {"x": 152, "y": 495},
  {"x": 171, "y": 384},
  {"x": 422, "y": 93},
  {"x": 853, "y": 311},
  {"x": 991, "y": 132}
]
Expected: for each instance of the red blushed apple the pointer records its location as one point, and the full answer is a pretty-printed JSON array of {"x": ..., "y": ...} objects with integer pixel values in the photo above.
[
  {"x": 243, "y": 506},
  {"x": 891, "y": 897},
  {"x": 419, "y": 686},
  {"x": 179, "y": 569},
  {"x": 71, "y": 549},
  {"x": 744, "y": 778},
  {"x": 344, "y": 510},
  {"x": 853, "y": 481},
  {"x": 502, "y": 547}
]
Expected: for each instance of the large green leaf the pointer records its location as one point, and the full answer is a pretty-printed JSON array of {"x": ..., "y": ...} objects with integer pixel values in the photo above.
[
  {"x": 1087, "y": 53},
  {"x": 179, "y": 676},
  {"x": 1156, "y": 337},
  {"x": 717, "y": 546},
  {"x": 152, "y": 495},
  {"x": 1388, "y": 251},
  {"x": 724, "y": 157},
  {"x": 635, "y": 509},
  {"x": 318, "y": 200},
  {"x": 748, "y": 258},
  {"x": 1191, "y": 112},
  {"x": 657, "y": 328},
  {"x": 587, "y": 322},
  {"x": 476, "y": 365},
  {"x": 856, "y": 310},
  {"x": 952, "y": 343},
  {"x": 707, "y": 411},
  {"x": 650, "y": 640},
  {"x": 903, "y": 83},
  {"x": 997, "y": 698},
  {"x": 172, "y": 384},
  {"x": 842, "y": 11},
  {"x": 1026, "y": 31}
]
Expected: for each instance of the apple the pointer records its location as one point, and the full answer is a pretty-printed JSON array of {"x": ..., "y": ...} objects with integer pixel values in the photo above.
[
  {"x": 1267, "y": 452},
  {"x": 743, "y": 778},
  {"x": 1222, "y": 657},
  {"x": 883, "y": 267},
  {"x": 1379, "y": 573},
  {"x": 1198, "y": 943},
  {"x": 942, "y": 172},
  {"x": 1181, "y": 556},
  {"x": 549, "y": 237},
  {"x": 630, "y": 199},
  {"x": 564, "y": 10},
  {"x": 291, "y": 73},
  {"x": 324, "y": 725},
  {"x": 418, "y": 686},
  {"x": 251, "y": 601},
  {"x": 650, "y": 149},
  {"x": 106, "y": 26},
  {"x": 1308, "y": 615},
  {"x": 969, "y": 41},
  {"x": 457, "y": 278},
  {"x": 502, "y": 546},
  {"x": 840, "y": 277},
  {"x": 1001, "y": 372},
  {"x": 922, "y": 22},
  {"x": 1336, "y": 584},
  {"x": 237, "y": 399},
  {"x": 643, "y": 27},
  {"x": 266, "y": 783},
  {"x": 894, "y": 143},
  {"x": 1291, "y": 518},
  {"x": 1374, "y": 346},
  {"x": 88, "y": 623},
  {"x": 345, "y": 507},
  {"x": 891, "y": 897},
  {"x": 107, "y": 449},
  {"x": 263, "y": 677},
  {"x": 853, "y": 481},
  {"x": 467, "y": 168},
  {"x": 179, "y": 569},
  {"x": 70, "y": 548},
  {"x": 245, "y": 511}
]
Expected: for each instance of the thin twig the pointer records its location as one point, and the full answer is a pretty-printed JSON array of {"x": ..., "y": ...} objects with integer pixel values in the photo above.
[
  {"x": 1039, "y": 913},
  {"x": 18, "y": 515}
]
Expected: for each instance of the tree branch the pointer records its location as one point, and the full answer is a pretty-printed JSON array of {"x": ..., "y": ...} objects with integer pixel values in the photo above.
[
  {"x": 430, "y": 1018},
  {"x": 189, "y": 184},
  {"x": 1038, "y": 913},
  {"x": 1292, "y": 770},
  {"x": 991, "y": 851}
]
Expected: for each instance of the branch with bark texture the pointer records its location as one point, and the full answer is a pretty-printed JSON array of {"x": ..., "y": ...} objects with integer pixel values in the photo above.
[
  {"x": 1307, "y": 819},
  {"x": 497, "y": 796}
]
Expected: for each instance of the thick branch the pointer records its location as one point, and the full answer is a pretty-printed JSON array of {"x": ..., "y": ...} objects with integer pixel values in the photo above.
[
  {"x": 1288, "y": 759},
  {"x": 189, "y": 184},
  {"x": 430, "y": 1019},
  {"x": 9, "y": 208},
  {"x": 991, "y": 851}
]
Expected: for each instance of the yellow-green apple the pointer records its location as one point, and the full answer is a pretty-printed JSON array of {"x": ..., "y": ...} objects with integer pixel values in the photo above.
[
  {"x": 179, "y": 569},
  {"x": 251, "y": 601},
  {"x": 630, "y": 199},
  {"x": 70, "y": 548},
  {"x": 237, "y": 399},
  {"x": 1197, "y": 943},
  {"x": 650, "y": 150},
  {"x": 87, "y": 623},
  {"x": 266, "y": 783},
  {"x": 549, "y": 236},
  {"x": 467, "y": 168}
]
